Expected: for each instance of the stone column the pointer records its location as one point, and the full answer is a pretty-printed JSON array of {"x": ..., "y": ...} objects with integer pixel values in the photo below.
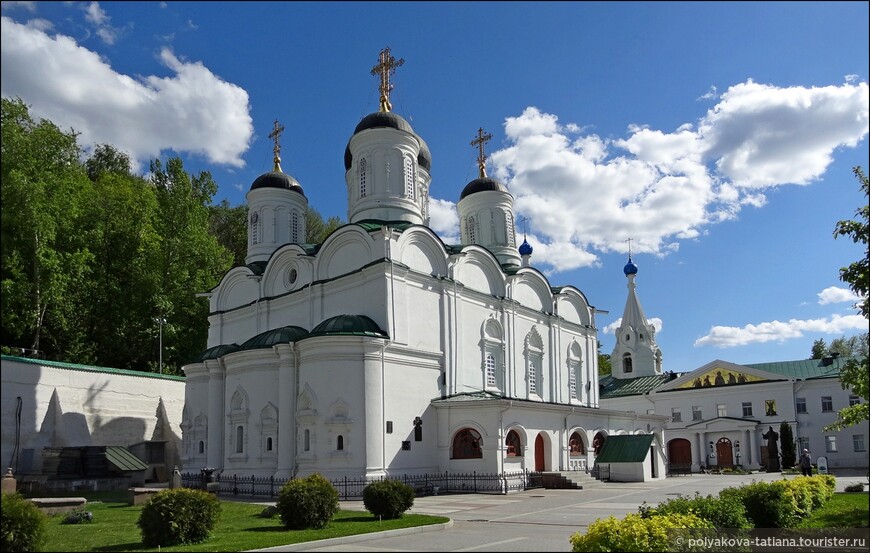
[
  {"x": 287, "y": 392},
  {"x": 216, "y": 414}
]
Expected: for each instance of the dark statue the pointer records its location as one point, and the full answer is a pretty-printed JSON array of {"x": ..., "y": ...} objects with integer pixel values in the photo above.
[{"x": 772, "y": 450}]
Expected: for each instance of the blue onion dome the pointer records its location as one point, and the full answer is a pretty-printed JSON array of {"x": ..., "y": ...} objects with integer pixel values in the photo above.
[
  {"x": 482, "y": 184},
  {"x": 525, "y": 248},
  {"x": 277, "y": 179},
  {"x": 630, "y": 268}
]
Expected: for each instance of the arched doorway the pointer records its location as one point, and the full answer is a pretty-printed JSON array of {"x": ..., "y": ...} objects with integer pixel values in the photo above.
[
  {"x": 598, "y": 442},
  {"x": 539, "y": 453},
  {"x": 679, "y": 456},
  {"x": 724, "y": 453}
]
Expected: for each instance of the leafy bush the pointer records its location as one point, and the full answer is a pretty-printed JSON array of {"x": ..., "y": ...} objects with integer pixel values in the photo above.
[
  {"x": 78, "y": 516},
  {"x": 856, "y": 487},
  {"x": 635, "y": 533},
  {"x": 768, "y": 504},
  {"x": 388, "y": 498},
  {"x": 23, "y": 524},
  {"x": 178, "y": 516},
  {"x": 269, "y": 512},
  {"x": 308, "y": 502},
  {"x": 722, "y": 512},
  {"x": 805, "y": 495}
]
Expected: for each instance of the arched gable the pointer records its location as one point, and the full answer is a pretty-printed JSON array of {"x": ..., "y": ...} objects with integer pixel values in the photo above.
[
  {"x": 575, "y": 351},
  {"x": 422, "y": 251},
  {"x": 290, "y": 268},
  {"x": 239, "y": 401},
  {"x": 344, "y": 251},
  {"x": 532, "y": 290},
  {"x": 572, "y": 306},
  {"x": 269, "y": 414},
  {"x": 236, "y": 289},
  {"x": 480, "y": 271}
]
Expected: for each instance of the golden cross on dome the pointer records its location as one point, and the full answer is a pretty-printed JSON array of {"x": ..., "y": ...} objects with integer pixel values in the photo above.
[
  {"x": 275, "y": 135},
  {"x": 479, "y": 142},
  {"x": 386, "y": 66}
]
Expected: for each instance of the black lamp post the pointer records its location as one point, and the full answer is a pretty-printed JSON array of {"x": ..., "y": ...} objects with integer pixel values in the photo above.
[{"x": 737, "y": 449}]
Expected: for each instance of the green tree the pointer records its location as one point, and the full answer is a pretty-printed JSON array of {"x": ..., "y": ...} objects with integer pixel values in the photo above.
[
  {"x": 604, "y": 366},
  {"x": 189, "y": 260},
  {"x": 788, "y": 448},
  {"x": 229, "y": 225},
  {"x": 855, "y": 374},
  {"x": 44, "y": 258},
  {"x": 820, "y": 349},
  {"x": 316, "y": 229}
]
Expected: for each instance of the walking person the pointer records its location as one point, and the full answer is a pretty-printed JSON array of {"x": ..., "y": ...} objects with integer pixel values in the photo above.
[{"x": 806, "y": 463}]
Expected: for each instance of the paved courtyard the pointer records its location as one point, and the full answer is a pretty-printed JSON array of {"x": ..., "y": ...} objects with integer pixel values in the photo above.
[{"x": 533, "y": 520}]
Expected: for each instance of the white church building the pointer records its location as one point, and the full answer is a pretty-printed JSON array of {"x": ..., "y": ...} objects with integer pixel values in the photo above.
[
  {"x": 718, "y": 414},
  {"x": 385, "y": 351}
]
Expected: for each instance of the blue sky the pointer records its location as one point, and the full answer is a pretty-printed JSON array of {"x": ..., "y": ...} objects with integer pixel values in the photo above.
[{"x": 718, "y": 136}]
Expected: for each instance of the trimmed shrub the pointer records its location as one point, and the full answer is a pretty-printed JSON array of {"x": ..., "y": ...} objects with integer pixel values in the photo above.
[
  {"x": 78, "y": 516},
  {"x": 23, "y": 524},
  {"x": 805, "y": 495},
  {"x": 856, "y": 487},
  {"x": 768, "y": 504},
  {"x": 309, "y": 502},
  {"x": 178, "y": 516},
  {"x": 388, "y": 498},
  {"x": 635, "y": 533},
  {"x": 722, "y": 512}
]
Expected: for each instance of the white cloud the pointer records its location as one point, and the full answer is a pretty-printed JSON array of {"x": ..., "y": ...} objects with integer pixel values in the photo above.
[
  {"x": 29, "y": 6},
  {"x": 612, "y": 327},
  {"x": 96, "y": 16},
  {"x": 711, "y": 94},
  {"x": 444, "y": 220},
  {"x": 834, "y": 294},
  {"x": 731, "y": 336},
  {"x": 660, "y": 187},
  {"x": 191, "y": 110}
]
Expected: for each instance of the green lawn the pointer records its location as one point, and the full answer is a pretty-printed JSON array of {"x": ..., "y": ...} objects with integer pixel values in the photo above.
[
  {"x": 844, "y": 510},
  {"x": 239, "y": 528}
]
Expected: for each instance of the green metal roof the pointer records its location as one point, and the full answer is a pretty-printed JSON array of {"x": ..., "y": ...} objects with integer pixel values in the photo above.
[
  {"x": 625, "y": 449},
  {"x": 283, "y": 335},
  {"x": 618, "y": 387},
  {"x": 215, "y": 352},
  {"x": 89, "y": 368},
  {"x": 123, "y": 459},
  {"x": 348, "y": 325},
  {"x": 369, "y": 225},
  {"x": 804, "y": 368}
]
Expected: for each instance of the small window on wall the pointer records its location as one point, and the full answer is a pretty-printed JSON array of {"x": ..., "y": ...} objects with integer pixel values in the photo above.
[
  {"x": 513, "y": 444},
  {"x": 676, "y": 415},
  {"x": 854, "y": 400},
  {"x": 696, "y": 413},
  {"x": 268, "y": 444},
  {"x": 339, "y": 443},
  {"x": 831, "y": 444},
  {"x": 747, "y": 408},
  {"x": 466, "y": 445},
  {"x": 201, "y": 446},
  {"x": 858, "y": 442},
  {"x": 240, "y": 439},
  {"x": 827, "y": 404},
  {"x": 721, "y": 410},
  {"x": 575, "y": 445},
  {"x": 306, "y": 440},
  {"x": 800, "y": 405},
  {"x": 627, "y": 366}
]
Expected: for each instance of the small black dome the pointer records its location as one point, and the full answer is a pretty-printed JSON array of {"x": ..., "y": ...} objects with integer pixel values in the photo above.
[
  {"x": 482, "y": 185},
  {"x": 277, "y": 179},
  {"x": 424, "y": 158},
  {"x": 382, "y": 119}
]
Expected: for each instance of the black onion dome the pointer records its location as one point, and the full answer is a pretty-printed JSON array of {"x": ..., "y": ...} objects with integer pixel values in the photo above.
[
  {"x": 482, "y": 184},
  {"x": 387, "y": 120},
  {"x": 424, "y": 158},
  {"x": 277, "y": 179},
  {"x": 283, "y": 335},
  {"x": 382, "y": 119}
]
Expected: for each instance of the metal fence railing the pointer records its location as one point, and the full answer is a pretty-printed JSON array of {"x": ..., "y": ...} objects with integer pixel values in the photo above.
[{"x": 352, "y": 488}]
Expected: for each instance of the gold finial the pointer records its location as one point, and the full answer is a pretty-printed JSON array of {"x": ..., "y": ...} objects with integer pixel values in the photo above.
[
  {"x": 275, "y": 135},
  {"x": 386, "y": 66},
  {"x": 481, "y": 158}
]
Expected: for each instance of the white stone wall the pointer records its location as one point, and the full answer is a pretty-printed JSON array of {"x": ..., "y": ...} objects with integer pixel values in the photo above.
[{"x": 76, "y": 405}]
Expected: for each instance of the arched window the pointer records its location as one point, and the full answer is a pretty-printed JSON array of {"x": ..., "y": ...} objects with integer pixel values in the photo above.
[
  {"x": 409, "y": 179},
  {"x": 572, "y": 380},
  {"x": 268, "y": 444},
  {"x": 201, "y": 446},
  {"x": 626, "y": 363},
  {"x": 362, "y": 178},
  {"x": 513, "y": 444},
  {"x": 509, "y": 228},
  {"x": 240, "y": 439},
  {"x": 306, "y": 443},
  {"x": 255, "y": 227},
  {"x": 534, "y": 352},
  {"x": 490, "y": 371},
  {"x": 472, "y": 235},
  {"x": 575, "y": 445},
  {"x": 466, "y": 445},
  {"x": 598, "y": 442},
  {"x": 339, "y": 443},
  {"x": 294, "y": 228}
]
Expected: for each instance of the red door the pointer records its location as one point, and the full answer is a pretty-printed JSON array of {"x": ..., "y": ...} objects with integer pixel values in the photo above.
[
  {"x": 724, "y": 453},
  {"x": 539, "y": 453},
  {"x": 680, "y": 452}
]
